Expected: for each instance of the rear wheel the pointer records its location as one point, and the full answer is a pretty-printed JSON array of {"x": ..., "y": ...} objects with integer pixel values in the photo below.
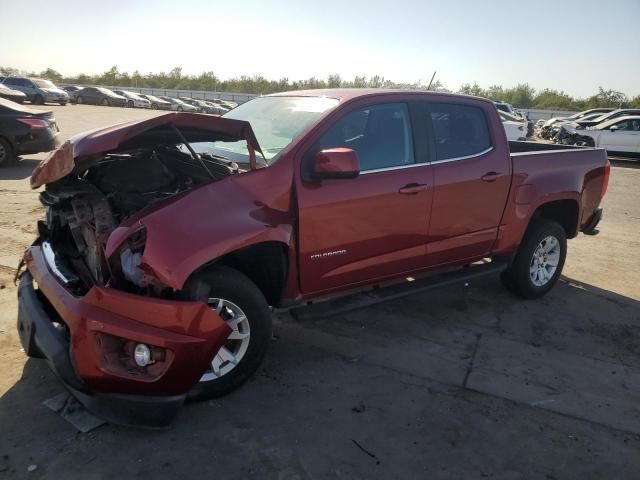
[
  {"x": 79, "y": 100},
  {"x": 154, "y": 106},
  {"x": 105, "y": 102},
  {"x": 7, "y": 157},
  {"x": 180, "y": 109},
  {"x": 539, "y": 260},
  {"x": 239, "y": 302},
  {"x": 130, "y": 104},
  {"x": 38, "y": 99}
]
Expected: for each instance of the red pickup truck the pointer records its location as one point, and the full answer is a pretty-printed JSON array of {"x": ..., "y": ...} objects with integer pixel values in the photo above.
[{"x": 167, "y": 240}]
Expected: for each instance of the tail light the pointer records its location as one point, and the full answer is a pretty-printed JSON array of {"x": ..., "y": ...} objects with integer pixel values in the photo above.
[
  {"x": 35, "y": 123},
  {"x": 605, "y": 179}
]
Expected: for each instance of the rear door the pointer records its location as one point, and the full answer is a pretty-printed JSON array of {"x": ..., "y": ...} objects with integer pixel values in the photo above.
[
  {"x": 354, "y": 231},
  {"x": 472, "y": 176}
]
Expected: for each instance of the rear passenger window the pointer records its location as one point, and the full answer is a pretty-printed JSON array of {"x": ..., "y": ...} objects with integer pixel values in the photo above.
[
  {"x": 380, "y": 135},
  {"x": 459, "y": 130}
]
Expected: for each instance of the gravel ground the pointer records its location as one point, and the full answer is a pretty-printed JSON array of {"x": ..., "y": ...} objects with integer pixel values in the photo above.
[{"x": 461, "y": 382}]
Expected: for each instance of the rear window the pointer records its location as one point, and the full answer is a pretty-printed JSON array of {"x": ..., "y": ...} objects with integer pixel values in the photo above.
[{"x": 459, "y": 130}]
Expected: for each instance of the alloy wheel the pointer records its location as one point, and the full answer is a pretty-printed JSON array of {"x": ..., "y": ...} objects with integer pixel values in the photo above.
[
  {"x": 544, "y": 261},
  {"x": 233, "y": 351}
]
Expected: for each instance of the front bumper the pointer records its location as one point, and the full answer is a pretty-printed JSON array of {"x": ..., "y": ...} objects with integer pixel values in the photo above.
[
  {"x": 56, "y": 99},
  {"x": 75, "y": 334}
]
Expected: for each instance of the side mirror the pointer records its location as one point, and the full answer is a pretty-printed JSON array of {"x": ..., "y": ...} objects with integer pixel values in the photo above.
[
  {"x": 613, "y": 128},
  {"x": 336, "y": 163}
]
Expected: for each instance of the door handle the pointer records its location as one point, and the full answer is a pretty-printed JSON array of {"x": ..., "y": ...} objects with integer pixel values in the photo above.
[
  {"x": 413, "y": 188},
  {"x": 490, "y": 176}
]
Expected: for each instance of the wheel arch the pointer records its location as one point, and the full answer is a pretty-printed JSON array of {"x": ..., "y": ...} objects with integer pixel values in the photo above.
[
  {"x": 566, "y": 212},
  {"x": 8, "y": 140},
  {"x": 265, "y": 263}
]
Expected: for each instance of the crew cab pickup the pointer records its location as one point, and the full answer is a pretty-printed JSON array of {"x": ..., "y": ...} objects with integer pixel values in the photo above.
[{"x": 167, "y": 241}]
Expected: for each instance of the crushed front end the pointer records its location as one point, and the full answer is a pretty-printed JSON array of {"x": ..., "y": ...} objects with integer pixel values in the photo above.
[{"x": 126, "y": 345}]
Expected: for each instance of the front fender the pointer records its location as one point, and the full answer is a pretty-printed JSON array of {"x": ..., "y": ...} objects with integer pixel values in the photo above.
[{"x": 214, "y": 220}]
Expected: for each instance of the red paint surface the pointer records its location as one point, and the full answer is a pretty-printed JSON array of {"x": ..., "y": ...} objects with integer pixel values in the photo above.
[
  {"x": 191, "y": 331},
  {"x": 340, "y": 234}
]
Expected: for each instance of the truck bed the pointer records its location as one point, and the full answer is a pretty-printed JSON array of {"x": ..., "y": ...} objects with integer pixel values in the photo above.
[{"x": 550, "y": 170}]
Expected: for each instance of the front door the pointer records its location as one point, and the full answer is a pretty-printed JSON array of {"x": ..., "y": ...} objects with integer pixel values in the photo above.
[{"x": 352, "y": 231}]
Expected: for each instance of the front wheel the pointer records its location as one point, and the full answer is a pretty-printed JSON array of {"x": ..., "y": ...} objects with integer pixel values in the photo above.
[
  {"x": 539, "y": 260},
  {"x": 239, "y": 302},
  {"x": 105, "y": 102},
  {"x": 38, "y": 99}
]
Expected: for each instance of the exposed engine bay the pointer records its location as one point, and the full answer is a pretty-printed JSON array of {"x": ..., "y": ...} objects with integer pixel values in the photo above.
[{"x": 85, "y": 207}]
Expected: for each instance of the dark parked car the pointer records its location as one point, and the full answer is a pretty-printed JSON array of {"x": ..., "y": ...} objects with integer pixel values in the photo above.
[
  {"x": 72, "y": 90},
  {"x": 100, "y": 96},
  {"x": 11, "y": 94},
  {"x": 24, "y": 130}
]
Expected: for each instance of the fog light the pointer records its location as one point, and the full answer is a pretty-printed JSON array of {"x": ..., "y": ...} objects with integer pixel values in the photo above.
[{"x": 142, "y": 355}]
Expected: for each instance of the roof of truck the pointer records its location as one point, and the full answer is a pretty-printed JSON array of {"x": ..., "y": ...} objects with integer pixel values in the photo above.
[{"x": 351, "y": 93}]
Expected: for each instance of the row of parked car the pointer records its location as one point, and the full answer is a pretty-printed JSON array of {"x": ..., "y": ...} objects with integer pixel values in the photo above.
[
  {"x": 39, "y": 92},
  {"x": 617, "y": 130},
  {"x": 125, "y": 98}
]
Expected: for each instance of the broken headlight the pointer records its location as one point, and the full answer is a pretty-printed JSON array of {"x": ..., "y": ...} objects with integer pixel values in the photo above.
[{"x": 128, "y": 258}]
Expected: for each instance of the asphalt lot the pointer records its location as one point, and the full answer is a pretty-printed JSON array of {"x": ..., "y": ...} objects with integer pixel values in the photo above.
[{"x": 461, "y": 382}]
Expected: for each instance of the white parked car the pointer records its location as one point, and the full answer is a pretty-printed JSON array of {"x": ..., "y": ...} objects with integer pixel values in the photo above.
[
  {"x": 133, "y": 99},
  {"x": 620, "y": 135},
  {"x": 515, "y": 127}
]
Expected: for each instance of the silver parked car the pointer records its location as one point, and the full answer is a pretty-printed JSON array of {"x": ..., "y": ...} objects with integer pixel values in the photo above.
[
  {"x": 156, "y": 102},
  {"x": 179, "y": 106},
  {"x": 37, "y": 90}
]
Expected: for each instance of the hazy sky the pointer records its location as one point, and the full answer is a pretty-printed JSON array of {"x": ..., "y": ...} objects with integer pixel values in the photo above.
[{"x": 568, "y": 45}]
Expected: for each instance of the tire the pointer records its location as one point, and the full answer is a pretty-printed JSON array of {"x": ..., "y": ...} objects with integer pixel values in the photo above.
[
  {"x": 7, "y": 156},
  {"x": 63, "y": 103},
  {"x": 180, "y": 109},
  {"x": 521, "y": 277},
  {"x": 242, "y": 294},
  {"x": 38, "y": 100},
  {"x": 130, "y": 104},
  {"x": 105, "y": 102},
  {"x": 79, "y": 100},
  {"x": 154, "y": 106}
]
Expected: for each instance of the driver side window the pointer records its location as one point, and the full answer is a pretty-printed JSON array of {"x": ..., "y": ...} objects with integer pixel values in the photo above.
[{"x": 380, "y": 135}]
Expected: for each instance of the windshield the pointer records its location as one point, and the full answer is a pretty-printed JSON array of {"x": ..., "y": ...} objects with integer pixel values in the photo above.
[
  {"x": 43, "y": 83},
  {"x": 276, "y": 122}
]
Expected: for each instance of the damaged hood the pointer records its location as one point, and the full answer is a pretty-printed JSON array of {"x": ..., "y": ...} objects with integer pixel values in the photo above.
[{"x": 144, "y": 133}]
